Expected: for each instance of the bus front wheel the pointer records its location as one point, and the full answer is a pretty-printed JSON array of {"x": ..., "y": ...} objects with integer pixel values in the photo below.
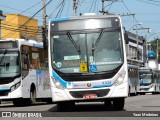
[
  {"x": 20, "y": 102},
  {"x": 108, "y": 104},
  {"x": 118, "y": 103},
  {"x": 66, "y": 106}
]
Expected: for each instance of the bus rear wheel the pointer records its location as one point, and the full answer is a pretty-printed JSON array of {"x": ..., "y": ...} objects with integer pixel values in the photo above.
[
  {"x": 129, "y": 92},
  {"x": 32, "y": 96},
  {"x": 118, "y": 103}
]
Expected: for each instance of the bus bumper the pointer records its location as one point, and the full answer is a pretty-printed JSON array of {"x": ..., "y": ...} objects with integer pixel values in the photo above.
[{"x": 120, "y": 91}]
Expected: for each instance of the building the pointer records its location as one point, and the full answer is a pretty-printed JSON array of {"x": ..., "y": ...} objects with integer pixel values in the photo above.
[
  {"x": 136, "y": 49},
  {"x": 19, "y": 26}
]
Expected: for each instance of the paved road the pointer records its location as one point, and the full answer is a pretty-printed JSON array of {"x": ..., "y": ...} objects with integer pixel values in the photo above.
[{"x": 143, "y": 105}]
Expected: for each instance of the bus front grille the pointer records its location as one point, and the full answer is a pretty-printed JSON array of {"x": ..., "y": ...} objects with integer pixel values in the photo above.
[
  {"x": 87, "y": 77},
  {"x": 80, "y": 94},
  {"x": 144, "y": 89}
]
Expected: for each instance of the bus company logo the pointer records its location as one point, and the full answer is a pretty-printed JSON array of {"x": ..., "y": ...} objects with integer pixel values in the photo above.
[
  {"x": 6, "y": 114},
  {"x": 88, "y": 84}
]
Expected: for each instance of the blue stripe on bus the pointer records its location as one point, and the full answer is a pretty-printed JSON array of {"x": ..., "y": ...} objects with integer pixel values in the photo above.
[
  {"x": 57, "y": 77},
  {"x": 3, "y": 89},
  {"x": 59, "y": 19},
  {"x": 100, "y": 86}
]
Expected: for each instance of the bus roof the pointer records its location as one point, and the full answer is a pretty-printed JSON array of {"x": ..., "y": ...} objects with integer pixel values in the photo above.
[
  {"x": 148, "y": 70},
  {"x": 83, "y": 17},
  {"x": 26, "y": 42},
  {"x": 132, "y": 66}
]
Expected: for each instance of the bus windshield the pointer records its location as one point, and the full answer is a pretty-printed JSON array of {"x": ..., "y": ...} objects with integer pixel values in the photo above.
[
  {"x": 101, "y": 48},
  {"x": 9, "y": 63},
  {"x": 146, "y": 79}
]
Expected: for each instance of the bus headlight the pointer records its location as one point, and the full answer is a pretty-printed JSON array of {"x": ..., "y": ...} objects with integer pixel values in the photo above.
[
  {"x": 151, "y": 86},
  {"x": 120, "y": 79},
  {"x": 57, "y": 83},
  {"x": 15, "y": 86}
]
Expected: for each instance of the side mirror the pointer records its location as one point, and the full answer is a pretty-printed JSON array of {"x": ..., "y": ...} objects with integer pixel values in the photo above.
[
  {"x": 126, "y": 38},
  {"x": 7, "y": 66}
]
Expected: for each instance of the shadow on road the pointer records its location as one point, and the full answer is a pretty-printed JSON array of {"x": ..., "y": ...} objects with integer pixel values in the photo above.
[
  {"x": 86, "y": 108},
  {"x": 10, "y": 105}
]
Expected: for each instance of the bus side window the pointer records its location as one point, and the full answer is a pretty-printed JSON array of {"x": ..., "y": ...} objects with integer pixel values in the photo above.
[{"x": 25, "y": 61}]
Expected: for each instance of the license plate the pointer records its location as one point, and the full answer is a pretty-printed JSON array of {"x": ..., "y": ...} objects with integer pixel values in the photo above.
[{"x": 89, "y": 96}]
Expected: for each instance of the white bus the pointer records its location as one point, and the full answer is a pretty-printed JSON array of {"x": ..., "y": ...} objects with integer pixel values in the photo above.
[
  {"x": 133, "y": 80},
  {"x": 24, "y": 76},
  {"x": 149, "y": 80},
  {"x": 87, "y": 61}
]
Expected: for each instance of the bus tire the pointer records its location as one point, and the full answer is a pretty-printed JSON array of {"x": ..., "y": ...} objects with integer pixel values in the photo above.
[
  {"x": 32, "y": 95},
  {"x": 108, "y": 104},
  {"x": 49, "y": 101},
  {"x": 19, "y": 102},
  {"x": 129, "y": 91},
  {"x": 118, "y": 103},
  {"x": 65, "y": 106}
]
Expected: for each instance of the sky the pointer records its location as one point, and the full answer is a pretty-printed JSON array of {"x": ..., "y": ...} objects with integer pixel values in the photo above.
[{"x": 147, "y": 12}]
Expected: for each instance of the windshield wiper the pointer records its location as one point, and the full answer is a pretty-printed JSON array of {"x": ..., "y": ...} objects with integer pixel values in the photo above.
[
  {"x": 3, "y": 56},
  {"x": 97, "y": 41},
  {"x": 143, "y": 76},
  {"x": 73, "y": 42}
]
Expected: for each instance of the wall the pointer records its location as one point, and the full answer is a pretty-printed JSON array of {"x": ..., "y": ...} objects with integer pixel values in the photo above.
[{"x": 14, "y": 27}]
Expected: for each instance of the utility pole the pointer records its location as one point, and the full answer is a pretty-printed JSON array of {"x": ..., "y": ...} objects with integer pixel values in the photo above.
[
  {"x": 103, "y": 12},
  {"x": 44, "y": 27},
  {"x": 2, "y": 17},
  {"x": 157, "y": 53},
  {"x": 44, "y": 13},
  {"x": 74, "y": 7},
  {"x": 137, "y": 40},
  {"x": 137, "y": 43},
  {"x": 102, "y": 7}
]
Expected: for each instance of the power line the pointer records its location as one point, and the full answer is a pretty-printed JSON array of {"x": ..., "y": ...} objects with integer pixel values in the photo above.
[
  {"x": 92, "y": 5},
  {"x": 149, "y": 2},
  {"x": 129, "y": 11},
  {"x": 61, "y": 8},
  {"x": 154, "y": 1},
  {"x": 30, "y": 18},
  {"x": 23, "y": 11},
  {"x": 59, "y": 5}
]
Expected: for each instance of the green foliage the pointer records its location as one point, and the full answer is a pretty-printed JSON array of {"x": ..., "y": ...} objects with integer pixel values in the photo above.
[{"x": 153, "y": 45}]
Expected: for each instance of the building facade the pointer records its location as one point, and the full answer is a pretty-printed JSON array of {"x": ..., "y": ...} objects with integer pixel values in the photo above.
[
  {"x": 136, "y": 49},
  {"x": 19, "y": 26}
]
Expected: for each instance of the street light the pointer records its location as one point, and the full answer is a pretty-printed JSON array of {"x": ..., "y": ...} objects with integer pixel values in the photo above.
[
  {"x": 152, "y": 35},
  {"x": 147, "y": 38},
  {"x": 134, "y": 26}
]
